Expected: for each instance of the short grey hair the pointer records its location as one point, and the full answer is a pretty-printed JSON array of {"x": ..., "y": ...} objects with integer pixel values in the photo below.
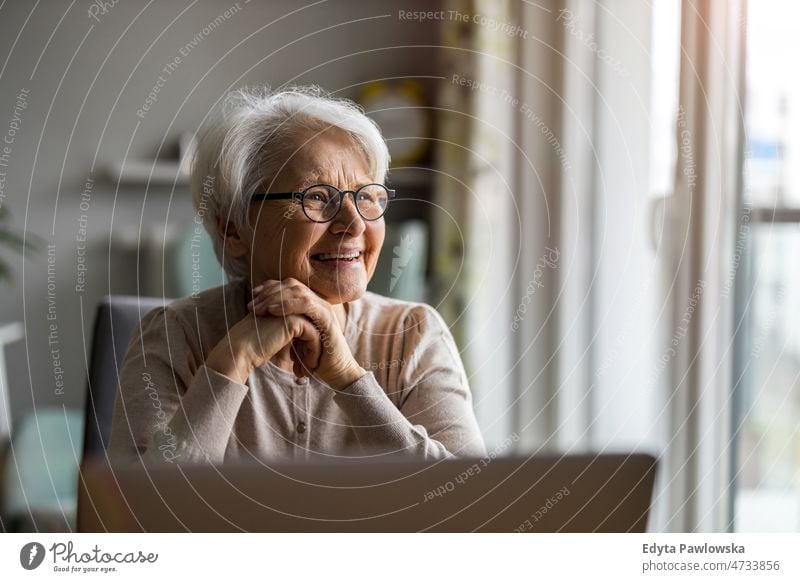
[{"x": 251, "y": 137}]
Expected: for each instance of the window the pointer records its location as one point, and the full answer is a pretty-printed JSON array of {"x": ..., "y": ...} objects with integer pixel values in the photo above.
[{"x": 767, "y": 376}]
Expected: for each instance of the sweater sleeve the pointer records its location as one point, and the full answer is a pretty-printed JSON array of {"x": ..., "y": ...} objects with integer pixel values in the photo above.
[
  {"x": 435, "y": 419},
  {"x": 170, "y": 406}
]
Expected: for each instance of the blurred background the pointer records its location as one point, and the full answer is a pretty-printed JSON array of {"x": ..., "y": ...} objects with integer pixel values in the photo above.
[{"x": 602, "y": 199}]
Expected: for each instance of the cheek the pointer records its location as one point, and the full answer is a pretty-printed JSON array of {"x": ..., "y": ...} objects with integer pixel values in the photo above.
[
  {"x": 279, "y": 244},
  {"x": 375, "y": 234},
  {"x": 295, "y": 242},
  {"x": 266, "y": 237}
]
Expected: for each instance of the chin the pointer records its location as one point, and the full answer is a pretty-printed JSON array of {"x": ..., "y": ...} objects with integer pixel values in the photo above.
[{"x": 340, "y": 292}]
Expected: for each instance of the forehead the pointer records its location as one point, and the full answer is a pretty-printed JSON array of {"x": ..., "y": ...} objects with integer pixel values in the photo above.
[{"x": 328, "y": 155}]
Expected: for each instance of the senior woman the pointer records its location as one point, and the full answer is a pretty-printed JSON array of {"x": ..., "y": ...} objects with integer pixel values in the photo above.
[{"x": 292, "y": 358}]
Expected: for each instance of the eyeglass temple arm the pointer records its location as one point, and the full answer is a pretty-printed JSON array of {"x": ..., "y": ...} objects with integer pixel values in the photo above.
[{"x": 277, "y": 196}]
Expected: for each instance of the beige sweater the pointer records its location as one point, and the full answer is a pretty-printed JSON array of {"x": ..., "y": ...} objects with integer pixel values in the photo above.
[{"x": 414, "y": 398}]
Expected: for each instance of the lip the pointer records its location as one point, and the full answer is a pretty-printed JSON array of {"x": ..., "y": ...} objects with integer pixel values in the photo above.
[
  {"x": 342, "y": 250},
  {"x": 337, "y": 264}
]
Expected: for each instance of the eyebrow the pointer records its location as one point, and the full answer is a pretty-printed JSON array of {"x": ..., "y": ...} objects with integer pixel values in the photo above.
[{"x": 311, "y": 182}]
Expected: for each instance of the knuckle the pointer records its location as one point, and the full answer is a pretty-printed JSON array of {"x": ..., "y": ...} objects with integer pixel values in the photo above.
[
  {"x": 299, "y": 324},
  {"x": 297, "y": 328},
  {"x": 295, "y": 325},
  {"x": 269, "y": 284}
]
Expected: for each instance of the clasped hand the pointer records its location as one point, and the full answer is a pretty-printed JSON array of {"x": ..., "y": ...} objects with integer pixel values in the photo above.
[{"x": 285, "y": 313}]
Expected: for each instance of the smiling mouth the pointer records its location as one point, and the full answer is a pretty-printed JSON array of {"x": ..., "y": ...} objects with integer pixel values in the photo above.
[{"x": 348, "y": 257}]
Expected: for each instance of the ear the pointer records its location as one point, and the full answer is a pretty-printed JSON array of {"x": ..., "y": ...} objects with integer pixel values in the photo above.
[{"x": 235, "y": 245}]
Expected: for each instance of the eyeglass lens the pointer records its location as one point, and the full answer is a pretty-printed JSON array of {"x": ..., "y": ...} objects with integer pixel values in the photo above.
[{"x": 322, "y": 202}]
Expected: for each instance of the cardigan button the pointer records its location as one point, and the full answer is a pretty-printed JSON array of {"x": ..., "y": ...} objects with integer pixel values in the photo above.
[{"x": 301, "y": 427}]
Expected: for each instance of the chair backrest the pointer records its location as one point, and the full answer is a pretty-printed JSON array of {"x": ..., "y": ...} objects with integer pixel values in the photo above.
[{"x": 116, "y": 320}]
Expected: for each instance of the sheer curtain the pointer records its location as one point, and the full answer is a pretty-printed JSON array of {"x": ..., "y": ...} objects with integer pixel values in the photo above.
[
  {"x": 704, "y": 214},
  {"x": 628, "y": 345}
]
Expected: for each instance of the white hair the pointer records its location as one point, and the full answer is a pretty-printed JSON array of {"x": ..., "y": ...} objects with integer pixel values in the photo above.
[{"x": 251, "y": 137}]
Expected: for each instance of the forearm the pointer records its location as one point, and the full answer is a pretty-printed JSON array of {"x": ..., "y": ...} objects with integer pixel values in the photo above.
[
  {"x": 378, "y": 424},
  {"x": 229, "y": 362},
  {"x": 201, "y": 427},
  {"x": 195, "y": 428}
]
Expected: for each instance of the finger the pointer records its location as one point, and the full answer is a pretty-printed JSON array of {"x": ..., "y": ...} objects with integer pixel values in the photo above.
[
  {"x": 297, "y": 367},
  {"x": 296, "y": 355},
  {"x": 305, "y": 355},
  {"x": 290, "y": 287},
  {"x": 265, "y": 287},
  {"x": 309, "y": 336},
  {"x": 274, "y": 292},
  {"x": 319, "y": 313},
  {"x": 260, "y": 308},
  {"x": 311, "y": 353},
  {"x": 287, "y": 306},
  {"x": 278, "y": 289}
]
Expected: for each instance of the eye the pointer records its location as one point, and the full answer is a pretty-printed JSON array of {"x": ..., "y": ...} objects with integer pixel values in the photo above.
[{"x": 318, "y": 195}]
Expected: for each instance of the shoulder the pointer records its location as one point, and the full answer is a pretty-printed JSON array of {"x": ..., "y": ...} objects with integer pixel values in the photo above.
[
  {"x": 380, "y": 313},
  {"x": 411, "y": 333},
  {"x": 210, "y": 311},
  {"x": 213, "y": 298}
]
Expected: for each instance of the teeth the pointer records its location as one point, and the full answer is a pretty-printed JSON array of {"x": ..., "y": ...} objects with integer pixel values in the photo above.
[{"x": 329, "y": 256}]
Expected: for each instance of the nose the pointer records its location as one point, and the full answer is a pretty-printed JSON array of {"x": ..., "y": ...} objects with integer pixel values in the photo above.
[{"x": 348, "y": 220}]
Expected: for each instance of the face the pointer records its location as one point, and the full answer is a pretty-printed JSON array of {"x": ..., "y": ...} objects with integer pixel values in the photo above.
[{"x": 335, "y": 259}]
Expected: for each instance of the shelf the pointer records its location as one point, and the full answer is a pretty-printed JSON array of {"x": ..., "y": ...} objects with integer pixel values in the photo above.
[{"x": 141, "y": 172}]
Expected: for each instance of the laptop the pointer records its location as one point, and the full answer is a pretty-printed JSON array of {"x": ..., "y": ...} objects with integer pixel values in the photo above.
[{"x": 540, "y": 493}]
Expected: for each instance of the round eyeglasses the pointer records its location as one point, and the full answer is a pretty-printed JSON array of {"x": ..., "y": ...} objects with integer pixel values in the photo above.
[{"x": 322, "y": 202}]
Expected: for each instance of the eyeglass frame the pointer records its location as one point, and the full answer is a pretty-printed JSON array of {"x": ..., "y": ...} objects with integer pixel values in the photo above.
[{"x": 299, "y": 196}]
